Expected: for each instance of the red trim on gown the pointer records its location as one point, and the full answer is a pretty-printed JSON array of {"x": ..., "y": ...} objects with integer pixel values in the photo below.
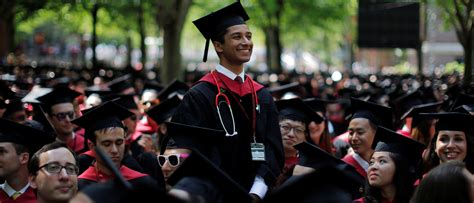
[
  {"x": 128, "y": 174},
  {"x": 77, "y": 144},
  {"x": 28, "y": 196},
  {"x": 404, "y": 133},
  {"x": 349, "y": 159},
  {"x": 232, "y": 85}
]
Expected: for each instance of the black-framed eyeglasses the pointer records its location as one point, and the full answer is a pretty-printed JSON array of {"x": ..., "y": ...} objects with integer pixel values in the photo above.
[
  {"x": 287, "y": 128},
  {"x": 173, "y": 159},
  {"x": 55, "y": 168},
  {"x": 62, "y": 115}
]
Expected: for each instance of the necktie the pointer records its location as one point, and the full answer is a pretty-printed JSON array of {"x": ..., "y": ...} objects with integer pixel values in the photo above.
[
  {"x": 238, "y": 79},
  {"x": 16, "y": 195}
]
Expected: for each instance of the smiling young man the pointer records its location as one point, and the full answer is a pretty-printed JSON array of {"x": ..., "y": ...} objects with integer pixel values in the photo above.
[
  {"x": 362, "y": 127},
  {"x": 228, "y": 99}
]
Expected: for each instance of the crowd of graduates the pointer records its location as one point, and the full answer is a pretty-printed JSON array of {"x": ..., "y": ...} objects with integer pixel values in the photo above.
[{"x": 229, "y": 135}]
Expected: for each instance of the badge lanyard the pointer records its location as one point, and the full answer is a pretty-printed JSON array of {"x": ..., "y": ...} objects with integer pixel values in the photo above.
[{"x": 257, "y": 149}]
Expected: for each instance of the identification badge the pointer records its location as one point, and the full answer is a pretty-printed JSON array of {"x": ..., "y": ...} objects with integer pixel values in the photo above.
[{"x": 258, "y": 151}]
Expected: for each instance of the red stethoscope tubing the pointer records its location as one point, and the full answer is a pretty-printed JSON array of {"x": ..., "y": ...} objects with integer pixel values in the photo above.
[{"x": 220, "y": 94}]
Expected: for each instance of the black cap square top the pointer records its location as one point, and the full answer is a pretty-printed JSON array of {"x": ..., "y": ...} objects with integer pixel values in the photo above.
[
  {"x": 215, "y": 23},
  {"x": 377, "y": 114},
  {"x": 60, "y": 94},
  {"x": 386, "y": 140},
  {"x": 423, "y": 108},
  {"x": 453, "y": 121},
  {"x": 106, "y": 115},
  {"x": 161, "y": 112},
  {"x": 24, "y": 135},
  {"x": 296, "y": 109}
]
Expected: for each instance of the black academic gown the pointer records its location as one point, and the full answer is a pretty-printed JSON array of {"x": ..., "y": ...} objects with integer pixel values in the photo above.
[{"x": 234, "y": 155}]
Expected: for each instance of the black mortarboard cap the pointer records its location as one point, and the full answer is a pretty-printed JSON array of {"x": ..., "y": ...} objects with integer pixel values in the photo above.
[
  {"x": 377, "y": 114},
  {"x": 208, "y": 174},
  {"x": 28, "y": 136},
  {"x": 125, "y": 100},
  {"x": 119, "y": 84},
  {"x": 36, "y": 92},
  {"x": 318, "y": 104},
  {"x": 327, "y": 184},
  {"x": 468, "y": 109},
  {"x": 215, "y": 23},
  {"x": 293, "y": 87},
  {"x": 60, "y": 94},
  {"x": 310, "y": 155},
  {"x": 454, "y": 121},
  {"x": 408, "y": 100},
  {"x": 173, "y": 88},
  {"x": 423, "y": 108},
  {"x": 462, "y": 99},
  {"x": 152, "y": 86},
  {"x": 386, "y": 140},
  {"x": 5, "y": 94},
  {"x": 13, "y": 106},
  {"x": 296, "y": 109},
  {"x": 164, "y": 110},
  {"x": 194, "y": 137},
  {"x": 103, "y": 93},
  {"x": 108, "y": 114}
]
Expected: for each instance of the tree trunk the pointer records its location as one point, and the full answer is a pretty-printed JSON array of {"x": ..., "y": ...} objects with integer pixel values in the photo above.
[
  {"x": 7, "y": 28},
  {"x": 141, "y": 28},
  {"x": 274, "y": 49},
  {"x": 95, "y": 9},
  {"x": 129, "y": 48},
  {"x": 468, "y": 66},
  {"x": 171, "y": 56},
  {"x": 171, "y": 16}
]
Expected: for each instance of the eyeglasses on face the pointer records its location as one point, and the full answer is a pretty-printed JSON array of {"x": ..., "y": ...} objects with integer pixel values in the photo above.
[
  {"x": 55, "y": 168},
  {"x": 62, "y": 115},
  {"x": 173, "y": 159},
  {"x": 287, "y": 128}
]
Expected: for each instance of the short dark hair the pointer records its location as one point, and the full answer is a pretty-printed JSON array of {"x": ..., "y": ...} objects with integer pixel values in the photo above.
[
  {"x": 444, "y": 183},
  {"x": 33, "y": 166},
  {"x": 220, "y": 36}
]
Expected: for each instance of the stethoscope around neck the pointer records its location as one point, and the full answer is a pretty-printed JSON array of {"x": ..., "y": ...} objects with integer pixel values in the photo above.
[{"x": 227, "y": 101}]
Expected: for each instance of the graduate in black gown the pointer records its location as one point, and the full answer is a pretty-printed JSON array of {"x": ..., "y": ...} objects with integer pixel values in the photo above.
[
  {"x": 252, "y": 152},
  {"x": 104, "y": 128}
]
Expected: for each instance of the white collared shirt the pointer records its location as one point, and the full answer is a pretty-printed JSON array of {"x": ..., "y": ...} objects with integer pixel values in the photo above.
[
  {"x": 362, "y": 162},
  {"x": 230, "y": 74},
  {"x": 10, "y": 191}
]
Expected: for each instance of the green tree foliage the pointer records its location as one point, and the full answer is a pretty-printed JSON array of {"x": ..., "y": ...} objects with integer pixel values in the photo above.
[{"x": 459, "y": 13}]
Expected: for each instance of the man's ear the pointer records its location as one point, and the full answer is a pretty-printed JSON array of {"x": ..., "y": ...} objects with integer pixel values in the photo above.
[
  {"x": 218, "y": 46},
  {"x": 24, "y": 158},
  {"x": 32, "y": 179}
]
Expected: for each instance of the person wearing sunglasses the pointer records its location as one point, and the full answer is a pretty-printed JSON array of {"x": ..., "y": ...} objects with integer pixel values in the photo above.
[
  {"x": 59, "y": 108},
  {"x": 171, "y": 159},
  {"x": 47, "y": 177},
  {"x": 17, "y": 142},
  {"x": 105, "y": 130}
]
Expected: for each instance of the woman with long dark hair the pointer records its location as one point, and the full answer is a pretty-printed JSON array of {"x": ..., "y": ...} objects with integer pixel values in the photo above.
[
  {"x": 452, "y": 141},
  {"x": 392, "y": 167}
]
